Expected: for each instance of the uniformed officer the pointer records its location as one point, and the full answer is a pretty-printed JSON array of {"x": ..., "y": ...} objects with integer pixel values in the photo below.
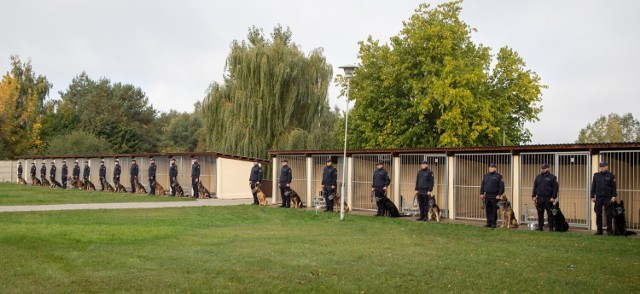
[
  {"x": 424, "y": 187},
  {"x": 102, "y": 173},
  {"x": 152, "y": 177},
  {"x": 76, "y": 172},
  {"x": 195, "y": 176},
  {"x": 52, "y": 172},
  {"x": 117, "y": 170},
  {"x": 86, "y": 172},
  {"x": 133, "y": 171},
  {"x": 33, "y": 171},
  {"x": 379, "y": 186},
  {"x": 64, "y": 173},
  {"x": 43, "y": 172},
  {"x": 19, "y": 171},
  {"x": 255, "y": 177},
  {"x": 329, "y": 183},
  {"x": 173, "y": 176},
  {"x": 545, "y": 192},
  {"x": 491, "y": 189},
  {"x": 603, "y": 193},
  {"x": 284, "y": 182}
]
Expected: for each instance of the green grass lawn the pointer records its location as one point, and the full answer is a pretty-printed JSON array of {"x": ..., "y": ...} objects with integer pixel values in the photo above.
[
  {"x": 246, "y": 249},
  {"x": 13, "y": 194}
]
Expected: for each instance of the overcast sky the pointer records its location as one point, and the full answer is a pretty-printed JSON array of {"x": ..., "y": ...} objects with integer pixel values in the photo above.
[{"x": 587, "y": 52}]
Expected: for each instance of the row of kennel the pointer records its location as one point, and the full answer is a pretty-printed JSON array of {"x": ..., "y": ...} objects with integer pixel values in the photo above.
[{"x": 458, "y": 178}]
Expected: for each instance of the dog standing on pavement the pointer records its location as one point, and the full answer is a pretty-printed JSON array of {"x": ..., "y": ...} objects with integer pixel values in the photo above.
[
  {"x": 506, "y": 210},
  {"x": 433, "y": 211},
  {"x": 262, "y": 198}
]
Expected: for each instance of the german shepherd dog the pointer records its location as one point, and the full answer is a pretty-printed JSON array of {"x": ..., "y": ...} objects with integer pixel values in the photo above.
[
  {"x": 262, "y": 198},
  {"x": 107, "y": 185},
  {"x": 89, "y": 186},
  {"x": 620, "y": 221},
  {"x": 336, "y": 202},
  {"x": 36, "y": 182},
  {"x": 140, "y": 188},
  {"x": 559, "y": 222},
  {"x": 120, "y": 188},
  {"x": 389, "y": 207},
  {"x": 160, "y": 190},
  {"x": 178, "y": 189},
  {"x": 55, "y": 184},
  {"x": 506, "y": 210},
  {"x": 203, "y": 191},
  {"x": 296, "y": 202},
  {"x": 21, "y": 181},
  {"x": 45, "y": 182},
  {"x": 434, "y": 209}
]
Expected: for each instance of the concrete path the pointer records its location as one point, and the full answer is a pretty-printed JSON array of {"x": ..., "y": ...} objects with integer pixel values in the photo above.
[{"x": 126, "y": 205}]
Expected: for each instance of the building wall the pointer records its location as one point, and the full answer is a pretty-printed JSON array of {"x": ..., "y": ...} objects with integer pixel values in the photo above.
[{"x": 236, "y": 179}]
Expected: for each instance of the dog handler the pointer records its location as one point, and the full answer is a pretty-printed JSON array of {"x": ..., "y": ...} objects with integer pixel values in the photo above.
[
  {"x": 117, "y": 170},
  {"x": 329, "y": 183},
  {"x": 19, "y": 171},
  {"x": 379, "y": 186},
  {"x": 255, "y": 177},
  {"x": 86, "y": 172},
  {"x": 43, "y": 172},
  {"x": 52, "y": 172},
  {"x": 424, "y": 187},
  {"x": 286, "y": 175},
  {"x": 33, "y": 171},
  {"x": 173, "y": 176},
  {"x": 64, "y": 173},
  {"x": 195, "y": 176},
  {"x": 603, "y": 193},
  {"x": 76, "y": 172},
  {"x": 490, "y": 190},
  {"x": 152, "y": 177},
  {"x": 545, "y": 192},
  {"x": 133, "y": 171},
  {"x": 102, "y": 173}
]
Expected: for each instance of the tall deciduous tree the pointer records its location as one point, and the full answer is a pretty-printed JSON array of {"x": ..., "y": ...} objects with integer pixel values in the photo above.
[
  {"x": 433, "y": 86},
  {"x": 273, "y": 97},
  {"x": 611, "y": 129},
  {"x": 22, "y": 95}
]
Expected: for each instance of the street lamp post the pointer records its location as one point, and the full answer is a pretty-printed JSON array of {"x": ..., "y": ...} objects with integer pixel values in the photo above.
[{"x": 348, "y": 74}]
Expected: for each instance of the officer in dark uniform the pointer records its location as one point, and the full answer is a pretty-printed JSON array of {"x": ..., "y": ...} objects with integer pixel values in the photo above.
[
  {"x": 133, "y": 171},
  {"x": 195, "y": 176},
  {"x": 603, "y": 193},
  {"x": 86, "y": 172},
  {"x": 33, "y": 171},
  {"x": 43, "y": 172},
  {"x": 52, "y": 172},
  {"x": 102, "y": 173},
  {"x": 379, "y": 186},
  {"x": 329, "y": 183},
  {"x": 545, "y": 192},
  {"x": 64, "y": 174},
  {"x": 117, "y": 170},
  {"x": 173, "y": 176},
  {"x": 491, "y": 189},
  {"x": 254, "y": 179},
  {"x": 76, "y": 172},
  {"x": 284, "y": 182},
  {"x": 424, "y": 187},
  {"x": 152, "y": 177},
  {"x": 19, "y": 170}
]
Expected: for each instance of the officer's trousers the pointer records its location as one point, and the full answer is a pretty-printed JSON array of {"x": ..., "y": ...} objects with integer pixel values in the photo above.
[
  {"x": 491, "y": 209},
  {"x": 608, "y": 210}
]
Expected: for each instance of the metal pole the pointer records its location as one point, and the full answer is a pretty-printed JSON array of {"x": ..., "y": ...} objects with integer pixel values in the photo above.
[{"x": 343, "y": 194}]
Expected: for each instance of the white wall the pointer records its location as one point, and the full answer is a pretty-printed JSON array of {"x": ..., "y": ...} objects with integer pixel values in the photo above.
[{"x": 234, "y": 178}]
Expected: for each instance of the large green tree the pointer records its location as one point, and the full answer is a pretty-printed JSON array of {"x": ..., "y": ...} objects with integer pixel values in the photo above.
[
  {"x": 274, "y": 96},
  {"x": 118, "y": 113},
  {"x": 611, "y": 129},
  {"x": 433, "y": 86},
  {"x": 78, "y": 142}
]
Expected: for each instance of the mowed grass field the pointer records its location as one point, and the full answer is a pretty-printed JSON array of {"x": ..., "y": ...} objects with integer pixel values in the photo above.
[
  {"x": 13, "y": 194},
  {"x": 249, "y": 249}
]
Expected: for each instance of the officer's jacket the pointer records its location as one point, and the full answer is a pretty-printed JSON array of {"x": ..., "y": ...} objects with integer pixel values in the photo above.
[
  {"x": 134, "y": 170},
  {"x": 604, "y": 185},
  {"x": 103, "y": 171},
  {"x": 117, "y": 171},
  {"x": 52, "y": 171},
  {"x": 545, "y": 184},
  {"x": 285, "y": 174},
  {"x": 492, "y": 184},
  {"x": 152, "y": 171},
  {"x": 43, "y": 171},
  {"x": 195, "y": 170},
  {"x": 173, "y": 171},
  {"x": 76, "y": 171},
  {"x": 20, "y": 170},
  {"x": 380, "y": 179},
  {"x": 329, "y": 176},
  {"x": 86, "y": 172},
  {"x": 65, "y": 171},
  {"x": 256, "y": 174},
  {"x": 33, "y": 170},
  {"x": 424, "y": 180}
]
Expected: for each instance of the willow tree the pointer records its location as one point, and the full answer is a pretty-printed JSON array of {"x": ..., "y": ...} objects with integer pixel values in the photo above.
[{"x": 274, "y": 96}]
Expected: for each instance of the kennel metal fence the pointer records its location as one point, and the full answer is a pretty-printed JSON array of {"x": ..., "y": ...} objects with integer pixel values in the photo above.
[
  {"x": 298, "y": 165},
  {"x": 409, "y": 166},
  {"x": 363, "y": 167},
  {"x": 625, "y": 165}
]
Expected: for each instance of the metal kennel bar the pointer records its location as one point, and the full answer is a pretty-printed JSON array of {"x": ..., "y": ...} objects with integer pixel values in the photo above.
[
  {"x": 363, "y": 167},
  {"x": 469, "y": 169},
  {"x": 319, "y": 162},
  {"x": 409, "y": 166},
  {"x": 625, "y": 165},
  {"x": 298, "y": 165}
]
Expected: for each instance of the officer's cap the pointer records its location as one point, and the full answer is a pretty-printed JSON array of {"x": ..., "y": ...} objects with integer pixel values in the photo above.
[
  {"x": 86, "y": 161},
  {"x": 380, "y": 162},
  {"x": 117, "y": 160},
  {"x": 153, "y": 160},
  {"x": 545, "y": 165},
  {"x": 172, "y": 159},
  {"x": 64, "y": 161},
  {"x": 101, "y": 160},
  {"x": 424, "y": 162},
  {"x": 76, "y": 163},
  {"x": 33, "y": 163},
  {"x": 53, "y": 162},
  {"x": 492, "y": 165},
  {"x": 284, "y": 160},
  {"x": 603, "y": 164},
  {"x": 329, "y": 160},
  {"x": 133, "y": 160},
  {"x": 43, "y": 162},
  {"x": 19, "y": 162}
]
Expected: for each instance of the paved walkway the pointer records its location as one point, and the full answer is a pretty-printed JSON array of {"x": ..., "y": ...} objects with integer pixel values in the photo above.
[{"x": 126, "y": 205}]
